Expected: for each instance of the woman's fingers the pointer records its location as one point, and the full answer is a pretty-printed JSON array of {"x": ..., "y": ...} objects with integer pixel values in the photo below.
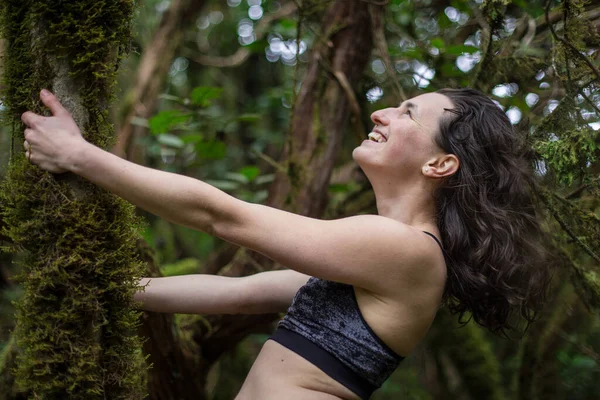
[
  {"x": 52, "y": 102},
  {"x": 30, "y": 118},
  {"x": 50, "y": 140}
]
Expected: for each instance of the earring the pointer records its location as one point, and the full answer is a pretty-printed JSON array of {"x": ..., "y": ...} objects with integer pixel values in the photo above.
[{"x": 426, "y": 169}]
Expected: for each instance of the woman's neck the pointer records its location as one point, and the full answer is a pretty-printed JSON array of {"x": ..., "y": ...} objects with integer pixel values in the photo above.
[{"x": 412, "y": 204}]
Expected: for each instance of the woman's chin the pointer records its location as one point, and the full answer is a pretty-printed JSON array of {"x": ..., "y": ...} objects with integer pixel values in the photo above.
[
  {"x": 357, "y": 155},
  {"x": 363, "y": 157}
]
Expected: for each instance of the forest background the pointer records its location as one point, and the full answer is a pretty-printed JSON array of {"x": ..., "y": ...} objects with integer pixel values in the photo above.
[{"x": 265, "y": 100}]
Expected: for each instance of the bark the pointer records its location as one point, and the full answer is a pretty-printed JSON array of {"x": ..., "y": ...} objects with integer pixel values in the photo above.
[
  {"x": 154, "y": 67},
  {"x": 322, "y": 110},
  {"x": 466, "y": 356},
  {"x": 319, "y": 123},
  {"x": 173, "y": 369},
  {"x": 75, "y": 318},
  {"x": 538, "y": 376}
]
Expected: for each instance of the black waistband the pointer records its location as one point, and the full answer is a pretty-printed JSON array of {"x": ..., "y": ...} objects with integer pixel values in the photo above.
[{"x": 324, "y": 361}]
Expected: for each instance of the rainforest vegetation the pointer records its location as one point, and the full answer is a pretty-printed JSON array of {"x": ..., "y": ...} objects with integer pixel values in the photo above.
[{"x": 266, "y": 99}]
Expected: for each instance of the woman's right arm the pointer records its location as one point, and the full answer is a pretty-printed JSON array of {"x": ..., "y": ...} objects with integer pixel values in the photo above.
[{"x": 262, "y": 293}]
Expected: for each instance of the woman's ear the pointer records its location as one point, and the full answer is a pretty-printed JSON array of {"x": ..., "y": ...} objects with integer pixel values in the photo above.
[{"x": 442, "y": 166}]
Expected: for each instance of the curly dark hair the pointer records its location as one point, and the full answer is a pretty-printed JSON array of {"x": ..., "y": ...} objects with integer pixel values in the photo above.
[{"x": 487, "y": 219}]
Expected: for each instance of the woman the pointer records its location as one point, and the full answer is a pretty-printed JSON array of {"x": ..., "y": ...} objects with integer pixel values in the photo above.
[{"x": 443, "y": 165}]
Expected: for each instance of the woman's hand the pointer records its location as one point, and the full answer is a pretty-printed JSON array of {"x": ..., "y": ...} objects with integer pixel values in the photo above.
[{"x": 51, "y": 142}]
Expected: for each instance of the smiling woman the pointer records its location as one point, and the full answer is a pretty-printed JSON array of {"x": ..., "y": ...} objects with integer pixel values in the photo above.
[{"x": 445, "y": 165}]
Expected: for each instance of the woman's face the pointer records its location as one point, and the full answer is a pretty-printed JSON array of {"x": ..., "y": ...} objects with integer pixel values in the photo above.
[{"x": 402, "y": 140}]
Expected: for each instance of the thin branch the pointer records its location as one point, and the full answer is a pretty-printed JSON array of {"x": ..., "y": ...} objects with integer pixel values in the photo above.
[
  {"x": 487, "y": 54},
  {"x": 242, "y": 54},
  {"x": 581, "y": 188},
  {"x": 585, "y": 96},
  {"x": 566, "y": 228},
  {"x": 343, "y": 81},
  {"x": 269, "y": 160},
  {"x": 570, "y": 45},
  {"x": 380, "y": 41},
  {"x": 587, "y": 350}
]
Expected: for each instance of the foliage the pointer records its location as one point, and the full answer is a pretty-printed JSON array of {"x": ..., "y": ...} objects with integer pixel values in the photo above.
[
  {"x": 228, "y": 127},
  {"x": 505, "y": 48}
]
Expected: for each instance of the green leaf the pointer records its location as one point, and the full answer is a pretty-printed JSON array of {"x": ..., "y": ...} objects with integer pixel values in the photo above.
[
  {"x": 404, "y": 19},
  {"x": 234, "y": 176},
  {"x": 459, "y": 49},
  {"x": 438, "y": 42},
  {"x": 249, "y": 118},
  {"x": 192, "y": 138},
  {"x": 339, "y": 188},
  {"x": 287, "y": 23},
  {"x": 414, "y": 53},
  {"x": 450, "y": 70},
  {"x": 260, "y": 180},
  {"x": 257, "y": 46},
  {"x": 260, "y": 196},
  {"x": 212, "y": 150},
  {"x": 166, "y": 120},
  {"x": 139, "y": 121},
  {"x": 202, "y": 95},
  {"x": 223, "y": 185},
  {"x": 250, "y": 172},
  {"x": 171, "y": 140}
]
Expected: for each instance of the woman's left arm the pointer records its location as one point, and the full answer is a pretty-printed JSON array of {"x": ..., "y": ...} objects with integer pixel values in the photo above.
[{"x": 357, "y": 250}]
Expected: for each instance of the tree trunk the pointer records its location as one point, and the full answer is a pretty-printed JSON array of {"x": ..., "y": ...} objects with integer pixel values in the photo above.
[
  {"x": 75, "y": 324},
  {"x": 154, "y": 67},
  {"x": 173, "y": 369},
  {"x": 538, "y": 376},
  {"x": 470, "y": 354},
  {"x": 319, "y": 123}
]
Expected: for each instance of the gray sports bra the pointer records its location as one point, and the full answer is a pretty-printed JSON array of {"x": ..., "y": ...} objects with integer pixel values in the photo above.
[{"x": 325, "y": 326}]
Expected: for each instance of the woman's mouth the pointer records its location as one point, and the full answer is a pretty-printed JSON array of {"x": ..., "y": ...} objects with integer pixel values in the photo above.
[{"x": 377, "y": 137}]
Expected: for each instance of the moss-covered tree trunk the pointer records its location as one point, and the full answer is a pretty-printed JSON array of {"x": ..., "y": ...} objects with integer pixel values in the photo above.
[{"x": 76, "y": 328}]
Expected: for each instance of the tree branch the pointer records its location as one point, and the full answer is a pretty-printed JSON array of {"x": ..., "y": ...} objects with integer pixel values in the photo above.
[
  {"x": 377, "y": 23},
  {"x": 154, "y": 66},
  {"x": 243, "y": 53},
  {"x": 570, "y": 45}
]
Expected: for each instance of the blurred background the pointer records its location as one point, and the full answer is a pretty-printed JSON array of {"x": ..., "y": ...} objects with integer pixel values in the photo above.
[{"x": 266, "y": 100}]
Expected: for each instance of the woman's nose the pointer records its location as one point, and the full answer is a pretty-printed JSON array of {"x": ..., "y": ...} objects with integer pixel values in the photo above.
[{"x": 379, "y": 117}]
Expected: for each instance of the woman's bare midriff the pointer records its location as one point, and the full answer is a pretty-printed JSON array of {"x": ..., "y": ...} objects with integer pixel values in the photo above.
[{"x": 279, "y": 373}]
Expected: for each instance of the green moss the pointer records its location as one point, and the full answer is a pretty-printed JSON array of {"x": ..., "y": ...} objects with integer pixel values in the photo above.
[
  {"x": 295, "y": 173},
  {"x": 76, "y": 325}
]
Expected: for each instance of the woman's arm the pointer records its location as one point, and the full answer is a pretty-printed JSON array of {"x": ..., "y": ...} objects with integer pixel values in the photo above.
[
  {"x": 262, "y": 293},
  {"x": 369, "y": 251},
  {"x": 55, "y": 144},
  {"x": 177, "y": 198}
]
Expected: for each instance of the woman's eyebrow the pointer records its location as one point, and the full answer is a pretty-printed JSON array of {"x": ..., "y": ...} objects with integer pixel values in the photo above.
[{"x": 409, "y": 105}]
